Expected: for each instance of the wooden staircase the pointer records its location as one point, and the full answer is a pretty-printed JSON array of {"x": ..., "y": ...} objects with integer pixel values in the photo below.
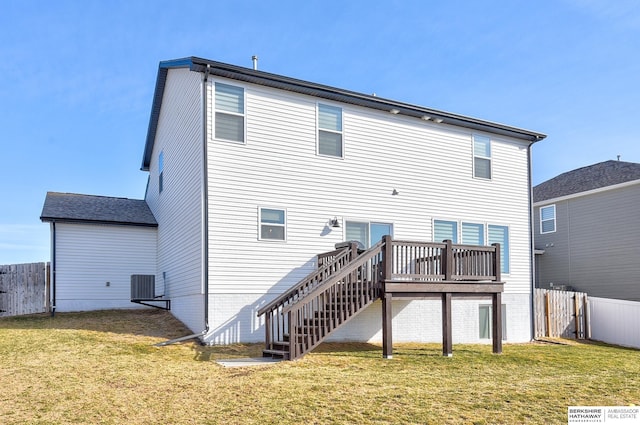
[{"x": 345, "y": 283}]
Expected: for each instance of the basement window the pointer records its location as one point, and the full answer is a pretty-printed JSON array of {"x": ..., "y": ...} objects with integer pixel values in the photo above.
[
  {"x": 485, "y": 316},
  {"x": 272, "y": 224}
]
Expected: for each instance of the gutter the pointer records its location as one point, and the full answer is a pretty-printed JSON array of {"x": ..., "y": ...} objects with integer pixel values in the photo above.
[
  {"x": 205, "y": 223},
  {"x": 532, "y": 250}
]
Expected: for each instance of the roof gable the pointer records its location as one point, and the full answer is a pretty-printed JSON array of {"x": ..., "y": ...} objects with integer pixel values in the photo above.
[
  {"x": 77, "y": 208},
  {"x": 208, "y": 67},
  {"x": 603, "y": 174}
]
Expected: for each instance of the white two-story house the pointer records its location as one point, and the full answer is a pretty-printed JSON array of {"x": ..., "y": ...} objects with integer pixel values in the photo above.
[{"x": 251, "y": 175}]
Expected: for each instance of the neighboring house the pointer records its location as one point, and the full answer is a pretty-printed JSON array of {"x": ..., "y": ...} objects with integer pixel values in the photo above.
[
  {"x": 587, "y": 229},
  {"x": 252, "y": 175}
]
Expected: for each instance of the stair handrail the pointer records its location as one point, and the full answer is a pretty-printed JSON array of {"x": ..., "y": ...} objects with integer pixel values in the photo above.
[
  {"x": 351, "y": 267},
  {"x": 314, "y": 275}
]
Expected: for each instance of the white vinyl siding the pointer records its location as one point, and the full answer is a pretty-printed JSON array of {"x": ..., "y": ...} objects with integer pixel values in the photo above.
[
  {"x": 481, "y": 157},
  {"x": 330, "y": 140},
  {"x": 178, "y": 210},
  {"x": 229, "y": 116},
  {"x": 548, "y": 219},
  {"x": 279, "y": 166},
  {"x": 272, "y": 224},
  {"x": 88, "y": 256}
]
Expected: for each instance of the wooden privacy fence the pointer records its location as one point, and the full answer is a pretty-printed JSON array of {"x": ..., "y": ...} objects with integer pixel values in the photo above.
[
  {"x": 562, "y": 314},
  {"x": 24, "y": 289}
]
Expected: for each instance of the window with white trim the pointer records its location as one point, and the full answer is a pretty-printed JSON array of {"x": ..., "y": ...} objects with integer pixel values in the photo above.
[
  {"x": 367, "y": 233},
  {"x": 548, "y": 219},
  {"x": 481, "y": 157},
  {"x": 229, "y": 112},
  {"x": 330, "y": 141},
  {"x": 500, "y": 234},
  {"x": 472, "y": 233},
  {"x": 160, "y": 172},
  {"x": 485, "y": 316},
  {"x": 445, "y": 230},
  {"x": 272, "y": 224}
]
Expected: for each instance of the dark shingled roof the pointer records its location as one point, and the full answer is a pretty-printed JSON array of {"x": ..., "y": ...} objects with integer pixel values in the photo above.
[
  {"x": 595, "y": 176},
  {"x": 76, "y": 208}
]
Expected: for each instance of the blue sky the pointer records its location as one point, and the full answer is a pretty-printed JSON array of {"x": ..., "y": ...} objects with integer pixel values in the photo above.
[{"x": 77, "y": 78}]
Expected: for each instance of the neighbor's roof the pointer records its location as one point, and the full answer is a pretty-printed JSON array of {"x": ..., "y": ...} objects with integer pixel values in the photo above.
[
  {"x": 603, "y": 174},
  {"x": 76, "y": 208},
  {"x": 317, "y": 90}
]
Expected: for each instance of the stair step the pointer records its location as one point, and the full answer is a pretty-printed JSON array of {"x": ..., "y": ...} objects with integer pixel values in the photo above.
[{"x": 268, "y": 352}]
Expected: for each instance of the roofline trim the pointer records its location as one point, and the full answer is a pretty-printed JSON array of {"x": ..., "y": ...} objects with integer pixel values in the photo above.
[
  {"x": 313, "y": 89},
  {"x": 586, "y": 193},
  {"x": 104, "y": 222}
]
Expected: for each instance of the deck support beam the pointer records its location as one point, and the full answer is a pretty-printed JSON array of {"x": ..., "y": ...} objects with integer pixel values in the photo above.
[
  {"x": 387, "y": 317},
  {"x": 496, "y": 306},
  {"x": 447, "y": 349}
]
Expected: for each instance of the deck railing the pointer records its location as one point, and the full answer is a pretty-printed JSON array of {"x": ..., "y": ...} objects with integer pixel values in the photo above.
[{"x": 445, "y": 261}]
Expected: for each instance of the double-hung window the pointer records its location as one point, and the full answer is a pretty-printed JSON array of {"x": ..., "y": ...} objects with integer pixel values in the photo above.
[
  {"x": 330, "y": 130},
  {"x": 229, "y": 120},
  {"x": 368, "y": 234},
  {"x": 272, "y": 224},
  {"x": 481, "y": 157},
  {"x": 548, "y": 219}
]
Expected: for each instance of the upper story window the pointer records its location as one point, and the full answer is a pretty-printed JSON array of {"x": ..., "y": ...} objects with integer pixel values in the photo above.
[
  {"x": 272, "y": 224},
  {"x": 229, "y": 120},
  {"x": 160, "y": 172},
  {"x": 548, "y": 219},
  {"x": 445, "y": 230},
  {"x": 330, "y": 130},
  {"x": 366, "y": 232},
  {"x": 481, "y": 157}
]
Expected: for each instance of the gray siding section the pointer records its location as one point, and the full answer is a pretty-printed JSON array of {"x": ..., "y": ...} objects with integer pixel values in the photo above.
[{"x": 595, "y": 249}]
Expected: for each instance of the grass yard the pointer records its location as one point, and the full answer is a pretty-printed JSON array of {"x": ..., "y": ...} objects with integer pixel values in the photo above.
[{"x": 102, "y": 367}]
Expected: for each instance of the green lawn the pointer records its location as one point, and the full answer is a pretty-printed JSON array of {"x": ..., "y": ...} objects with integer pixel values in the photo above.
[{"x": 102, "y": 367}]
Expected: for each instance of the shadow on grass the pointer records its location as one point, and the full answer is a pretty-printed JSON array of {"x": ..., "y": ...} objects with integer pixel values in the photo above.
[{"x": 142, "y": 322}]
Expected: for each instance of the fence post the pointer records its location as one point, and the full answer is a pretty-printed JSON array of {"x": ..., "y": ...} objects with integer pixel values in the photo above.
[
  {"x": 547, "y": 313},
  {"x": 587, "y": 318}
]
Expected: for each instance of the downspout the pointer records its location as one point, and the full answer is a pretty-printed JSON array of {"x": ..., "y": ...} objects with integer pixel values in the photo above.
[
  {"x": 532, "y": 261},
  {"x": 53, "y": 268},
  {"x": 205, "y": 222}
]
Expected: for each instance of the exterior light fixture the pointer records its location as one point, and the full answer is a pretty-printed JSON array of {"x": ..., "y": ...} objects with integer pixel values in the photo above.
[
  {"x": 395, "y": 192},
  {"x": 334, "y": 223}
]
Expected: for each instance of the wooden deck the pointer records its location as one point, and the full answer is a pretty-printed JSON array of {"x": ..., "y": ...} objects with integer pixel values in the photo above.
[{"x": 348, "y": 281}]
